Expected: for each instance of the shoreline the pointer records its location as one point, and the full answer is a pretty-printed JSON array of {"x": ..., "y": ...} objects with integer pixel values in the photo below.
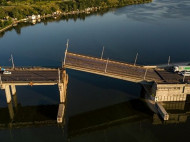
[
  {"x": 47, "y": 16},
  {"x": 86, "y": 11}
]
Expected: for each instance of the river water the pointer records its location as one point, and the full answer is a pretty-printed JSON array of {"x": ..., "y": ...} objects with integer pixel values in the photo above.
[{"x": 99, "y": 109}]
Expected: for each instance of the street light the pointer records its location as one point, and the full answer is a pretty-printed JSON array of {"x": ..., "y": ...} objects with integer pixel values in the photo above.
[
  {"x": 102, "y": 52},
  {"x": 12, "y": 60},
  {"x": 168, "y": 60},
  {"x": 106, "y": 65},
  {"x": 145, "y": 73},
  {"x": 136, "y": 59},
  {"x": 67, "y": 46}
]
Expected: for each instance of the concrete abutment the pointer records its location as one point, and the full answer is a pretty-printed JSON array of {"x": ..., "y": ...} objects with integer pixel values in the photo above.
[
  {"x": 63, "y": 92},
  {"x": 158, "y": 93}
]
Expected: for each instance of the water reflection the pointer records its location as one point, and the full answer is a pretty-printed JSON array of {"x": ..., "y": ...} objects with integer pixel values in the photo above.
[
  {"x": 178, "y": 112},
  {"x": 75, "y": 17},
  {"x": 107, "y": 117},
  {"x": 157, "y": 10},
  {"x": 12, "y": 117},
  {"x": 131, "y": 114}
]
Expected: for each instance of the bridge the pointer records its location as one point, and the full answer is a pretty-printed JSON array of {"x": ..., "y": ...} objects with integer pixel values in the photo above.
[
  {"x": 160, "y": 84},
  {"x": 35, "y": 76},
  {"x": 121, "y": 70}
]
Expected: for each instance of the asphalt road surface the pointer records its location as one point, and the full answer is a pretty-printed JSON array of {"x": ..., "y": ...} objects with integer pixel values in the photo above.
[
  {"x": 30, "y": 76},
  {"x": 122, "y": 69}
]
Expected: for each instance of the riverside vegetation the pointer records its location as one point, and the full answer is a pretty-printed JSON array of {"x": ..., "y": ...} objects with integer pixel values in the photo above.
[{"x": 15, "y": 10}]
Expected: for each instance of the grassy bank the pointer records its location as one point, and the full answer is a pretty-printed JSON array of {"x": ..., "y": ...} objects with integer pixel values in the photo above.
[{"x": 15, "y": 10}]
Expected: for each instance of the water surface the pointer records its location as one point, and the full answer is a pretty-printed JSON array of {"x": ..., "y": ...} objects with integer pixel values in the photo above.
[{"x": 155, "y": 30}]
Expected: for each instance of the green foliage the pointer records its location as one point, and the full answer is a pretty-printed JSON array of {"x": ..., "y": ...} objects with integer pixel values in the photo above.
[
  {"x": 2, "y": 13},
  {"x": 4, "y": 23},
  {"x": 3, "y": 2},
  {"x": 1, "y": 24},
  {"x": 21, "y": 8}
]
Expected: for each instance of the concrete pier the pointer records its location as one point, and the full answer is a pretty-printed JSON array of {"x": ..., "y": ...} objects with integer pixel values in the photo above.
[
  {"x": 15, "y": 102},
  {"x": 60, "y": 114},
  {"x": 13, "y": 89},
  {"x": 163, "y": 92},
  {"x": 11, "y": 111},
  {"x": 63, "y": 87},
  {"x": 162, "y": 112},
  {"x": 8, "y": 93},
  {"x": 62, "y": 91},
  {"x": 169, "y": 92}
]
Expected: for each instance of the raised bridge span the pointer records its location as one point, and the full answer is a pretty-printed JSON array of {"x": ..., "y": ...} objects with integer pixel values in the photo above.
[{"x": 120, "y": 70}]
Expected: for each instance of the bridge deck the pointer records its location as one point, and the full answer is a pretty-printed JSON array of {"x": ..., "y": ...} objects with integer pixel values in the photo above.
[
  {"x": 30, "y": 75},
  {"x": 120, "y": 70},
  {"x": 114, "y": 69}
]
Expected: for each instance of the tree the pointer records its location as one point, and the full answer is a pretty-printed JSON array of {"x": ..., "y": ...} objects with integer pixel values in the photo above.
[
  {"x": 3, "y": 2},
  {"x": 74, "y": 6},
  {"x": 1, "y": 23},
  {"x": 2, "y": 13}
]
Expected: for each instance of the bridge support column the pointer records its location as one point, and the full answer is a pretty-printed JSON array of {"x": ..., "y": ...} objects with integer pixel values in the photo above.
[
  {"x": 13, "y": 89},
  {"x": 15, "y": 101},
  {"x": 11, "y": 111},
  {"x": 8, "y": 93},
  {"x": 62, "y": 92}
]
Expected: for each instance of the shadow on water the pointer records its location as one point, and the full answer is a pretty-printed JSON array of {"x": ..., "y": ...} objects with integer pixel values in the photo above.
[
  {"x": 127, "y": 112},
  {"x": 28, "y": 116},
  {"x": 130, "y": 112},
  {"x": 107, "y": 83}
]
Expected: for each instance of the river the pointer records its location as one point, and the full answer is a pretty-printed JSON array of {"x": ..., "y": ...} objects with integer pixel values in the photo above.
[{"x": 99, "y": 109}]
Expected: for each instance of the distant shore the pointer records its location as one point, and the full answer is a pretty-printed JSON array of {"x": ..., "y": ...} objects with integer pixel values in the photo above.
[{"x": 62, "y": 13}]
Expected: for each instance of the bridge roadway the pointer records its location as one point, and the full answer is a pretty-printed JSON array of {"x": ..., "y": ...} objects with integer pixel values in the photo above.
[
  {"x": 120, "y": 70},
  {"x": 31, "y": 76}
]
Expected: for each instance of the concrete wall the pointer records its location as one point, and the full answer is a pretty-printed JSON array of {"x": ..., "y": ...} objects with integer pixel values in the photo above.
[{"x": 170, "y": 92}]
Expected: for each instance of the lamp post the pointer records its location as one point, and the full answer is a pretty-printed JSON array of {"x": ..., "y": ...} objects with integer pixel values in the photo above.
[
  {"x": 145, "y": 73},
  {"x": 136, "y": 59},
  {"x": 102, "y": 52},
  {"x": 12, "y": 60},
  {"x": 59, "y": 74},
  {"x": 168, "y": 60},
  {"x": 106, "y": 65},
  {"x": 67, "y": 46}
]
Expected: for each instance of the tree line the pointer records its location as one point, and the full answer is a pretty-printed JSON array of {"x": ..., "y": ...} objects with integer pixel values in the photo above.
[{"x": 21, "y": 8}]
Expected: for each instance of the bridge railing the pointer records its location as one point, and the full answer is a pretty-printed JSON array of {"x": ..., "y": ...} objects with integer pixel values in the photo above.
[
  {"x": 104, "y": 59},
  {"x": 111, "y": 73}
]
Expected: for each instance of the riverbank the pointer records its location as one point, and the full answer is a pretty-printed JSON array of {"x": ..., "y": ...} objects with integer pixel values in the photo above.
[{"x": 76, "y": 8}]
